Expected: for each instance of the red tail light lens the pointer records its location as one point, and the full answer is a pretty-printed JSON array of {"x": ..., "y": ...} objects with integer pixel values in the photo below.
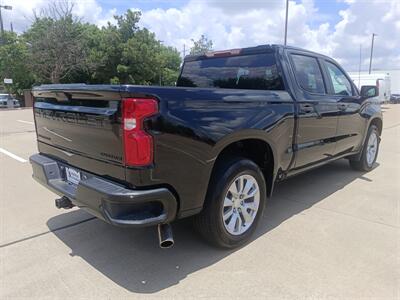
[{"x": 138, "y": 144}]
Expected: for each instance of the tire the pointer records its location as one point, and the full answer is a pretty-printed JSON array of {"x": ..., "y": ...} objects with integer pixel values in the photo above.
[
  {"x": 365, "y": 162},
  {"x": 210, "y": 222}
]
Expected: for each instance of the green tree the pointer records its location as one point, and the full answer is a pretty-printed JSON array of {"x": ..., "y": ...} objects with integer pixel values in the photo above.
[
  {"x": 128, "y": 24},
  {"x": 57, "y": 38},
  {"x": 60, "y": 48},
  {"x": 144, "y": 60},
  {"x": 169, "y": 62},
  {"x": 139, "y": 62},
  {"x": 125, "y": 53},
  {"x": 201, "y": 46},
  {"x": 14, "y": 57},
  {"x": 103, "y": 47}
]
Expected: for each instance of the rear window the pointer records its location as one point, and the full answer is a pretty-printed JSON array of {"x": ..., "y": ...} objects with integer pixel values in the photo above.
[{"x": 256, "y": 72}]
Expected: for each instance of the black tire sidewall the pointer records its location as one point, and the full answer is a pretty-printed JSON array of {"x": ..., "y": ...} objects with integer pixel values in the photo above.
[
  {"x": 366, "y": 166},
  {"x": 227, "y": 175}
]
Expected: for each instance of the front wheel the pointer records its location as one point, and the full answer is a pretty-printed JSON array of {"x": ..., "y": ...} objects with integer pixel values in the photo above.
[
  {"x": 234, "y": 203},
  {"x": 369, "y": 152}
]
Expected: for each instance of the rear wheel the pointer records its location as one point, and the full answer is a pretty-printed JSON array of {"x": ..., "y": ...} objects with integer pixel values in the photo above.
[
  {"x": 370, "y": 151},
  {"x": 234, "y": 203}
]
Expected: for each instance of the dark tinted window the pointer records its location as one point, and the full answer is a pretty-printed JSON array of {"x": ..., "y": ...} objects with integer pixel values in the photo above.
[
  {"x": 341, "y": 85},
  {"x": 308, "y": 73},
  {"x": 256, "y": 72}
]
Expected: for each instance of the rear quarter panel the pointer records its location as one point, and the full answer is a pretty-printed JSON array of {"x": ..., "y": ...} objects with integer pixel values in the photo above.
[{"x": 195, "y": 125}]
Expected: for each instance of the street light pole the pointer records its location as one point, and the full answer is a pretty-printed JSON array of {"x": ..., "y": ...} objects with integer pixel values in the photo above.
[
  {"x": 1, "y": 23},
  {"x": 286, "y": 20},
  {"x": 372, "y": 51},
  {"x": 359, "y": 70},
  {"x": 8, "y": 7}
]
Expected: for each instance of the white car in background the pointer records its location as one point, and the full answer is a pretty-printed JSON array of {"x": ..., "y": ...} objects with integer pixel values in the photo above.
[{"x": 7, "y": 101}]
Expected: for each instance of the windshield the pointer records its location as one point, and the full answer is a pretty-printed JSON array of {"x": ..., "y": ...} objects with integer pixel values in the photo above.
[{"x": 256, "y": 71}]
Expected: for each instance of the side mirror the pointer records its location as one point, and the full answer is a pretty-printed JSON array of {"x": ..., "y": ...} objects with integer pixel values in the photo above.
[{"x": 369, "y": 91}]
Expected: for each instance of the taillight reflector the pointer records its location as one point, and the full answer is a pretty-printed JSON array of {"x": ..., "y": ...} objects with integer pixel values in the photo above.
[{"x": 138, "y": 144}]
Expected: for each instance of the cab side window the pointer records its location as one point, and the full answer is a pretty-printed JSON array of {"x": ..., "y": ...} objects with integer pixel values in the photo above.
[
  {"x": 308, "y": 73},
  {"x": 341, "y": 85}
]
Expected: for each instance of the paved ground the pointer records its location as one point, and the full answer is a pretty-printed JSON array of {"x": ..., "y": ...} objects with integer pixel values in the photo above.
[{"x": 332, "y": 233}]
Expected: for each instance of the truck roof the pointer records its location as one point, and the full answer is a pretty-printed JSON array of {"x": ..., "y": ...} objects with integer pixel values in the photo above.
[{"x": 248, "y": 50}]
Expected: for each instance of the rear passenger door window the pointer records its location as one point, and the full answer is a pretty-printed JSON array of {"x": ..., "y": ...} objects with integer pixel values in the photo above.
[
  {"x": 340, "y": 83},
  {"x": 308, "y": 73}
]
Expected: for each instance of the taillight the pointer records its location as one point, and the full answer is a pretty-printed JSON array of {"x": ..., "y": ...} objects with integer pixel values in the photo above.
[{"x": 138, "y": 144}]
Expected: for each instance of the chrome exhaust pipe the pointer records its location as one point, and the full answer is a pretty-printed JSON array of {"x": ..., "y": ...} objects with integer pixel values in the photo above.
[{"x": 165, "y": 236}]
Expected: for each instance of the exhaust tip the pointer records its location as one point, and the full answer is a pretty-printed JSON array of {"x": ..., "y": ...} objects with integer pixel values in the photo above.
[
  {"x": 165, "y": 236},
  {"x": 166, "y": 244}
]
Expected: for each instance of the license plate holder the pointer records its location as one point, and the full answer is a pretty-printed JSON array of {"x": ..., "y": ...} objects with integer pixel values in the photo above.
[{"x": 73, "y": 176}]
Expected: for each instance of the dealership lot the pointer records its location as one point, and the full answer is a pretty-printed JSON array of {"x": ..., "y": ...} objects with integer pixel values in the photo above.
[{"x": 332, "y": 232}]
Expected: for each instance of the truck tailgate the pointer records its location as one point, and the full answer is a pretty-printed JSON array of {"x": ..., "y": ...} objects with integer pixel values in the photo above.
[{"x": 81, "y": 127}]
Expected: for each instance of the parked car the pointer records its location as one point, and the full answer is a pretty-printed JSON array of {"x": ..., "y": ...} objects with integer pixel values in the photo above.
[
  {"x": 211, "y": 148},
  {"x": 395, "y": 98},
  {"x": 7, "y": 101}
]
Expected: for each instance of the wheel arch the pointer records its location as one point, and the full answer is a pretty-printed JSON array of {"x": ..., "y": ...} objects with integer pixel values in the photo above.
[
  {"x": 374, "y": 120},
  {"x": 377, "y": 121},
  {"x": 252, "y": 147}
]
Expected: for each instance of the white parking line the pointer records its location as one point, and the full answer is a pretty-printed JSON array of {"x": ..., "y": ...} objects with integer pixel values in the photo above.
[
  {"x": 12, "y": 155},
  {"x": 27, "y": 122}
]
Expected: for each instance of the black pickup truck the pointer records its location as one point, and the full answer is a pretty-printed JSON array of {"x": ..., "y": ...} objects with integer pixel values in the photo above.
[{"x": 212, "y": 147}]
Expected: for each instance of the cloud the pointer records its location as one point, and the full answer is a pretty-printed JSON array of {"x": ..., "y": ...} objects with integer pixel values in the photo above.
[
  {"x": 239, "y": 23},
  {"x": 23, "y": 11},
  {"x": 21, "y": 15},
  {"x": 239, "y": 6},
  {"x": 232, "y": 24},
  {"x": 358, "y": 23}
]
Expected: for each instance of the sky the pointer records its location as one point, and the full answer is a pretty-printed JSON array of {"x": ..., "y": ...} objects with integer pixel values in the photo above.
[{"x": 336, "y": 28}]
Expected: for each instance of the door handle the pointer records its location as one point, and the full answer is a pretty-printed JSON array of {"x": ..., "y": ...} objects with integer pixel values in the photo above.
[
  {"x": 307, "y": 108},
  {"x": 342, "y": 106}
]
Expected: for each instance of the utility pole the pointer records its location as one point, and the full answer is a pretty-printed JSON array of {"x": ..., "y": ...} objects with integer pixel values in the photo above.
[
  {"x": 11, "y": 27},
  {"x": 286, "y": 20},
  {"x": 7, "y": 7},
  {"x": 184, "y": 50},
  {"x": 1, "y": 24},
  {"x": 161, "y": 70},
  {"x": 359, "y": 70},
  {"x": 372, "y": 51}
]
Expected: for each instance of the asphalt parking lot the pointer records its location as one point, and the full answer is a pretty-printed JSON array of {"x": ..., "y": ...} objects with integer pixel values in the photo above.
[{"x": 331, "y": 233}]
